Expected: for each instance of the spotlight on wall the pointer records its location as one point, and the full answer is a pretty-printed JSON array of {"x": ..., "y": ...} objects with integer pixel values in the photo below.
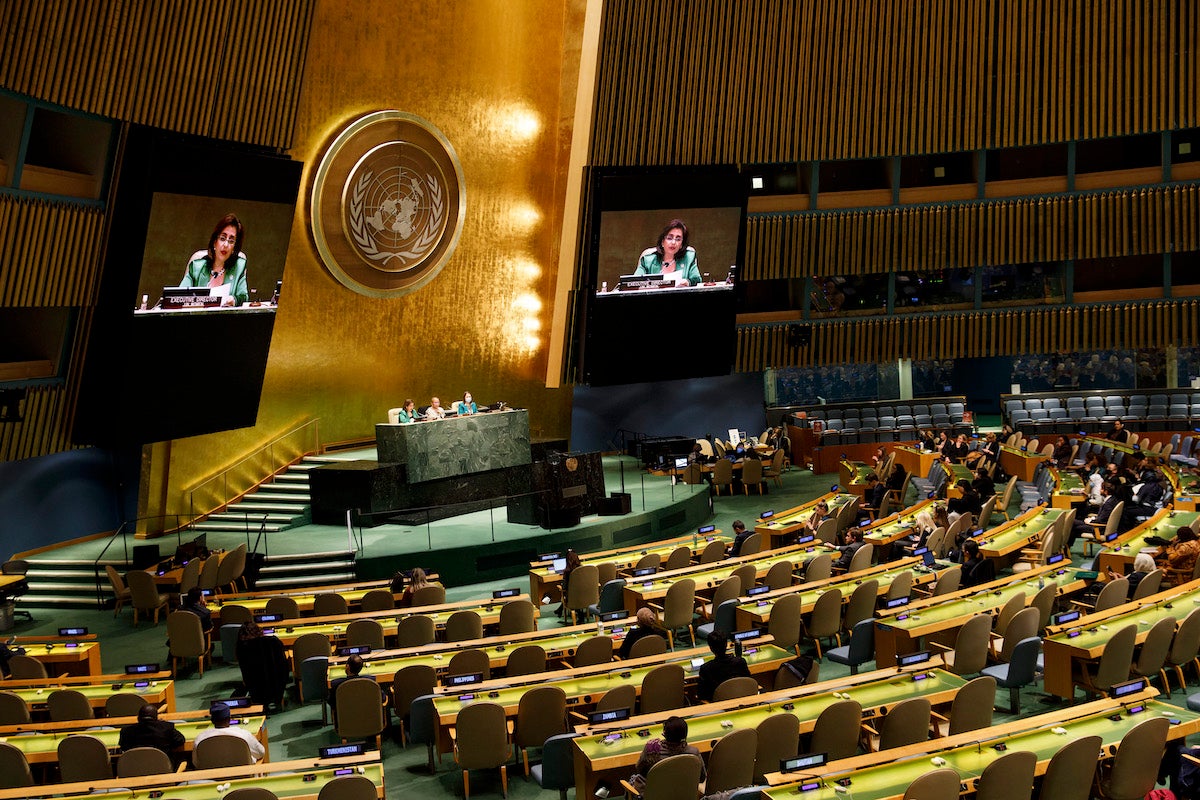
[
  {"x": 939, "y": 172},
  {"x": 756, "y": 182}
]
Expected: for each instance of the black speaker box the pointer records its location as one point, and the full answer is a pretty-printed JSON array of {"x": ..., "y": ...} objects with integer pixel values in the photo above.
[
  {"x": 616, "y": 505},
  {"x": 145, "y": 555}
]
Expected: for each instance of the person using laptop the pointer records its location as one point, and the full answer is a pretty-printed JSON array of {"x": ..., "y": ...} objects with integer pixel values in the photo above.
[
  {"x": 671, "y": 257},
  {"x": 223, "y": 264}
]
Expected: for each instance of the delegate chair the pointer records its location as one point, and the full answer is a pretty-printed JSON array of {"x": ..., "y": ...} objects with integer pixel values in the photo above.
[
  {"x": 217, "y": 752},
  {"x": 663, "y": 689},
  {"x": 408, "y": 684},
  {"x": 732, "y": 688},
  {"x": 1152, "y": 657},
  {"x": 463, "y": 626},
  {"x": 906, "y": 723},
  {"x": 141, "y": 761},
  {"x": 583, "y": 590},
  {"x": 728, "y": 589},
  {"x": 470, "y": 662},
  {"x": 971, "y": 709},
  {"x": 1184, "y": 648},
  {"x": 187, "y": 640},
  {"x": 415, "y": 630},
  {"x": 1134, "y": 770},
  {"x": 1019, "y": 671},
  {"x": 541, "y": 713},
  {"x": 1071, "y": 770},
  {"x": 861, "y": 604},
  {"x": 825, "y": 622},
  {"x": 1114, "y": 665},
  {"x": 144, "y": 594},
  {"x": 678, "y": 610},
  {"x": 529, "y": 659},
  {"x": 69, "y": 704},
  {"x": 13, "y": 709},
  {"x": 612, "y": 598},
  {"x": 941, "y": 784},
  {"x": 15, "y": 772},
  {"x": 364, "y": 632},
  {"x": 680, "y": 557},
  {"x": 836, "y": 731},
  {"x": 713, "y": 552},
  {"x": 349, "y": 787},
  {"x": 432, "y": 595},
  {"x": 284, "y": 607},
  {"x": 647, "y": 646},
  {"x": 125, "y": 704},
  {"x": 83, "y": 758},
  {"x": 722, "y": 476},
  {"x": 313, "y": 683},
  {"x": 860, "y": 650},
  {"x": 360, "y": 710},
  {"x": 752, "y": 475},
  {"x": 378, "y": 600},
  {"x": 252, "y": 793},
  {"x": 731, "y": 762},
  {"x": 557, "y": 770},
  {"x": 596, "y": 650},
  {"x": 121, "y": 593},
  {"x": 673, "y": 778},
  {"x": 778, "y": 739},
  {"x": 330, "y": 604},
  {"x": 1009, "y": 777},
  {"x": 818, "y": 568},
  {"x": 481, "y": 742},
  {"x": 779, "y": 576},
  {"x": 784, "y": 624},
  {"x": 26, "y": 668},
  {"x": 751, "y": 546}
]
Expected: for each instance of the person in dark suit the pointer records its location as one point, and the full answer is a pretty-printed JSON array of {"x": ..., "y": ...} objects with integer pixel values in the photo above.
[
  {"x": 975, "y": 569},
  {"x": 354, "y": 668},
  {"x": 264, "y": 665},
  {"x": 194, "y": 602},
  {"x": 740, "y": 535},
  {"x": 721, "y": 667},
  {"x": 150, "y": 731}
]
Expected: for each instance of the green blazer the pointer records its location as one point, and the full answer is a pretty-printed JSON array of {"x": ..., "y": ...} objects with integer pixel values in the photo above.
[
  {"x": 651, "y": 264},
  {"x": 198, "y": 274}
]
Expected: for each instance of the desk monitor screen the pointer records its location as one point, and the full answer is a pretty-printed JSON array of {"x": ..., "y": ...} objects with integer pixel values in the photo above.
[
  {"x": 770, "y": 512},
  {"x": 1065, "y": 617},
  {"x": 547, "y": 557},
  {"x": 929, "y": 560},
  {"x": 639, "y": 573},
  {"x": 1127, "y": 688},
  {"x": 338, "y": 750},
  {"x": 261, "y": 618},
  {"x": 612, "y": 616},
  {"x": 1057, "y": 557},
  {"x": 896, "y": 602},
  {"x": 681, "y": 462},
  {"x": 612, "y": 715},
  {"x": 466, "y": 679},
  {"x": 977, "y": 533},
  {"x": 805, "y": 539},
  {"x": 703, "y": 529},
  {"x": 502, "y": 593},
  {"x": 739, "y": 636},
  {"x": 809, "y": 761},
  {"x": 639, "y": 281},
  {"x": 357, "y": 650},
  {"x": 140, "y": 669},
  {"x": 757, "y": 590},
  {"x": 72, "y": 631},
  {"x": 560, "y": 565},
  {"x": 231, "y": 702},
  {"x": 1112, "y": 536},
  {"x": 920, "y": 551},
  {"x": 913, "y": 658}
]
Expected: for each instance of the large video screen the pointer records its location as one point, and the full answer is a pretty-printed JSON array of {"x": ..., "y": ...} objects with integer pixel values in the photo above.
[
  {"x": 664, "y": 249},
  {"x": 193, "y": 273}
]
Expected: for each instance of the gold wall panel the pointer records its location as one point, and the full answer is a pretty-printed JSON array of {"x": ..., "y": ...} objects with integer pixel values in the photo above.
[
  {"x": 984, "y": 233},
  {"x": 973, "y": 334},
  {"x": 492, "y": 76},
  {"x": 223, "y": 68},
  {"x": 51, "y": 251},
  {"x": 855, "y": 78}
]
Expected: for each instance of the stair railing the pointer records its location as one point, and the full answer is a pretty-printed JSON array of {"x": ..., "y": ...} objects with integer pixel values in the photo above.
[
  {"x": 122, "y": 534},
  {"x": 217, "y": 492}
]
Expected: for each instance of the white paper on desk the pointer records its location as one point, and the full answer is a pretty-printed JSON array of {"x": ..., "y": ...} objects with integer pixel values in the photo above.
[{"x": 224, "y": 290}]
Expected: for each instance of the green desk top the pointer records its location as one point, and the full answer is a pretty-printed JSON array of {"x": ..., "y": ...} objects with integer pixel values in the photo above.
[
  {"x": 46, "y": 744},
  {"x": 588, "y": 688},
  {"x": 1164, "y": 524},
  {"x": 1094, "y": 634},
  {"x": 625, "y": 556},
  {"x": 305, "y": 601},
  {"x": 1012, "y": 535},
  {"x": 97, "y": 694},
  {"x": 891, "y": 779},
  {"x": 959, "y": 610},
  {"x": 710, "y": 577},
  {"x": 761, "y": 608},
  {"x": 857, "y": 471},
  {"x": 704, "y": 729},
  {"x": 1069, "y": 481},
  {"x": 896, "y": 526}
]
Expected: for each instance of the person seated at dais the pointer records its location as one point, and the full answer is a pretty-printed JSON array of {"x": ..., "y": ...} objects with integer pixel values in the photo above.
[
  {"x": 467, "y": 405},
  {"x": 435, "y": 410},
  {"x": 408, "y": 413},
  {"x": 671, "y": 257}
]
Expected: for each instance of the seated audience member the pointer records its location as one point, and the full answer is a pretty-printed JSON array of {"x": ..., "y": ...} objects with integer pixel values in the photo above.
[
  {"x": 264, "y": 665},
  {"x": 574, "y": 562},
  {"x": 957, "y": 449},
  {"x": 398, "y": 581},
  {"x": 1152, "y": 493},
  {"x": 969, "y": 503},
  {"x": 740, "y": 535},
  {"x": 1062, "y": 452},
  {"x": 1181, "y": 553},
  {"x": 672, "y": 743},
  {"x": 872, "y": 496},
  {"x": 435, "y": 410},
  {"x": 1118, "y": 433},
  {"x": 1143, "y": 565},
  {"x": 354, "y": 668},
  {"x": 854, "y": 542},
  {"x": 926, "y": 441},
  {"x": 988, "y": 450},
  {"x": 820, "y": 514},
  {"x": 722, "y": 666},
  {"x": 221, "y": 727},
  {"x": 983, "y": 484},
  {"x": 150, "y": 731},
  {"x": 697, "y": 455},
  {"x": 417, "y": 580},
  {"x": 194, "y": 602},
  {"x": 976, "y": 569},
  {"x": 895, "y": 480},
  {"x": 1100, "y": 518},
  {"x": 647, "y": 625},
  {"x": 878, "y": 458}
]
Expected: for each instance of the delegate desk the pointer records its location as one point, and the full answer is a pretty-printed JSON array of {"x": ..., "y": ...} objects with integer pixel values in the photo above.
[
  {"x": 915, "y": 461},
  {"x": 954, "y": 474},
  {"x": 585, "y": 686},
  {"x": 610, "y": 751},
  {"x": 155, "y": 687},
  {"x": 1069, "y": 490},
  {"x": 334, "y": 627},
  {"x": 900, "y": 632},
  {"x": 883, "y": 532},
  {"x": 77, "y": 656},
  {"x": 545, "y": 582},
  {"x": 1085, "y": 638},
  {"x": 852, "y": 476},
  {"x": 41, "y": 746},
  {"x": 1186, "y": 487},
  {"x": 559, "y": 644},
  {"x": 296, "y": 780},
  {"x": 256, "y": 602},
  {"x": 1003, "y": 543},
  {"x": 786, "y": 525},
  {"x": 1119, "y": 554},
  {"x": 1123, "y": 448},
  {"x": 887, "y": 774},
  {"x": 639, "y": 592},
  {"x": 757, "y": 611},
  {"x": 1019, "y": 462}
]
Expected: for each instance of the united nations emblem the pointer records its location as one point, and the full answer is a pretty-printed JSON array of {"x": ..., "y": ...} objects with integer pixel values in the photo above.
[{"x": 387, "y": 204}]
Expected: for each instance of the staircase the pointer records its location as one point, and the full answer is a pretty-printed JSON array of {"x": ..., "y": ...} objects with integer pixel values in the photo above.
[
  {"x": 284, "y": 503},
  {"x": 66, "y": 582},
  {"x": 306, "y": 569}
]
